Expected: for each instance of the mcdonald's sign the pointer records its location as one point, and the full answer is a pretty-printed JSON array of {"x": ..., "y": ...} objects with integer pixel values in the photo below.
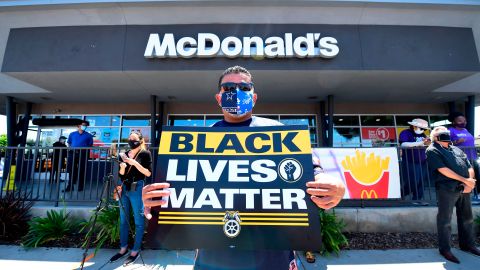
[{"x": 369, "y": 194}]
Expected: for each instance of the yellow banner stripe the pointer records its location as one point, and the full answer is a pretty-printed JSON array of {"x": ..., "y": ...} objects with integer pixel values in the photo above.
[
  {"x": 242, "y": 224},
  {"x": 213, "y": 139},
  {"x": 190, "y": 222},
  {"x": 221, "y": 219},
  {"x": 273, "y": 224},
  {"x": 240, "y": 213},
  {"x": 194, "y": 213},
  {"x": 274, "y": 214},
  {"x": 276, "y": 219},
  {"x": 192, "y": 218}
]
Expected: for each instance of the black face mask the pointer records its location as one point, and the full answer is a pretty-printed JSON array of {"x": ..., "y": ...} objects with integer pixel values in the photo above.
[
  {"x": 444, "y": 137},
  {"x": 134, "y": 144}
]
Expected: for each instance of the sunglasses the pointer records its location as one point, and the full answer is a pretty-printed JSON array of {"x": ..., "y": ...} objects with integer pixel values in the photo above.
[{"x": 230, "y": 86}]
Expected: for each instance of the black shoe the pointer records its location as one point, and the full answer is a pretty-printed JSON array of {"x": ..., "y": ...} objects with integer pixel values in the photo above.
[
  {"x": 472, "y": 250},
  {"x": 131, "y": 259},
  {"x": 449, "y": 256},
  {"x": 69, "y": 188},
  {"x": 118, "y": 256}
]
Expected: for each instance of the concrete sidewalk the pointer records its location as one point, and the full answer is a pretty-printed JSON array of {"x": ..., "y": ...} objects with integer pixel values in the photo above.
[{"x": 17, "y": 258}]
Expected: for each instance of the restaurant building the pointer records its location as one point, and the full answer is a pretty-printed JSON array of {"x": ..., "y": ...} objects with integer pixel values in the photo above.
[{"x": 367, "y": 67}]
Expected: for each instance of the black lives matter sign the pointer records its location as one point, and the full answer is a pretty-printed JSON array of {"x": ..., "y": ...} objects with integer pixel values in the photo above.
[{"x": 235, "y": 187}]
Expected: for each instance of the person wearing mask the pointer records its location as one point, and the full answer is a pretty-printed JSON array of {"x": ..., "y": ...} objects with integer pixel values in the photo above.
[
  {"x": 326, "y": 191},
  {"x": 135, "y": 166},
  {"x": 454, "y": 180},
  {"x": 465, "y": 141},
  {"x": 56, "y": 161},
  {"x": 77, "y": 158},
  {"x": 414, "y": 167}
]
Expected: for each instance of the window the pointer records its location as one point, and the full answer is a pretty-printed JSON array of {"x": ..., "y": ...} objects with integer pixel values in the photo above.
[
  {"x": 346, "y": 120},
  {"x": 402, "y": 120},
  {"x": 212, "y": 119},
  {"x": 439, "y": 120},
  {"x": 377, "y": 120},
  {"x": 103, "y": 136},
  {"x": 189, "y": 121},
  {"x": 103, "y": 120},
  {"x": 208, "y": 120},
  {"x": 106, "y": 129},
  {"x": 298, "y": 120},
  {"x": 127, "y": 130},
  {"x": 346, "y": 137},
  {"x": 133, "y": 121}
]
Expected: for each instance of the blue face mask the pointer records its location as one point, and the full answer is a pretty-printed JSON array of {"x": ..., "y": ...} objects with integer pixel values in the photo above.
[
  {"x": 83, "y": 127},
  {"x": 237, "y": 102}
]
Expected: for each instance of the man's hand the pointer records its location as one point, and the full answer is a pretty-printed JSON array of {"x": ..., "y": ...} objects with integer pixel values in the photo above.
[
  {"x": 327, "y": 191},
  {"x": 470, "y": 182},
  {"x": 123, "y": 165},
  {"x": 154, "y": 191},
  {"x": 467, "y": 189}
]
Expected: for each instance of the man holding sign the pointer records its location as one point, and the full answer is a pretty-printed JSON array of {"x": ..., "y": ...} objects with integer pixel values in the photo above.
[{"x": 236, "y": 97}]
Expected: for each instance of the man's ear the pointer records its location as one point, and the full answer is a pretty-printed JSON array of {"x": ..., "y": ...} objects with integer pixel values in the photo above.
[
  {"x": 218, "y": 97},
  {"x": 254, "y": 98}
]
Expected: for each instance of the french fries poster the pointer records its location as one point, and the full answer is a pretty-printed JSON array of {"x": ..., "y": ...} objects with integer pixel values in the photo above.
[
  {"x": 368, "y": 173},
  {"x": 241, "y": 188}
]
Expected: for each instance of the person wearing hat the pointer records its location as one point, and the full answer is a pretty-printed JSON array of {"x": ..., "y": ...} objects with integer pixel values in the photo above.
[
  {"x": 465, "y": 141},
  {"x": 454, "y": 181},
  {"x": 57, "y": 162},
  {"x": 414, "y": 167}
]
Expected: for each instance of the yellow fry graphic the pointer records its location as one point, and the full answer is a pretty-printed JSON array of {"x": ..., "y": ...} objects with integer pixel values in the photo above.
[{"x": 365, "y": 169}]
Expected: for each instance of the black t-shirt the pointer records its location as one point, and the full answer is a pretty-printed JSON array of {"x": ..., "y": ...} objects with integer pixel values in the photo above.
[
  {"x": 132, "y": 174},
  {"x": 453, "y": 158},
  {"x": 233, "y": 259}
]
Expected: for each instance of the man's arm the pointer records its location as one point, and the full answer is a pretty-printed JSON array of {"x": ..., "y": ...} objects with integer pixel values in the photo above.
[
  {"x": 69, "y": 140},
  {"x": 90, "y": 141},
  {"x": 471, "y": 173},
  {"x": 412, "y": 144},
  {"x": 469, "y": 182}
]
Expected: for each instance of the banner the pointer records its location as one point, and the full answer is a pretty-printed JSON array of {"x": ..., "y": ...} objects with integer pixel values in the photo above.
[
  {"x": 235, "y": 187},
  {"x": 368, "y": 173}
]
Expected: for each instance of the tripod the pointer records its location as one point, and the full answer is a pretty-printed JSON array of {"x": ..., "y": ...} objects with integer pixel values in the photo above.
[{"x": 104, "y": 202}]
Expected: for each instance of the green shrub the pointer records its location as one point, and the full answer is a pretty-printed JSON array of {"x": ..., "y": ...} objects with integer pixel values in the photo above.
[
  {"x": 55, "y": 226},
  {"x": 14, "y": 216},
  {"x": 3, "y": 143},
  {"x": 107, "y": 228},
  {"x": 332, "y": 236}
]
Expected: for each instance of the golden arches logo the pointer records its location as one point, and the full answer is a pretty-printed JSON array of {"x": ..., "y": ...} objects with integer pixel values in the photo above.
[{"x": 368, "y": 194}]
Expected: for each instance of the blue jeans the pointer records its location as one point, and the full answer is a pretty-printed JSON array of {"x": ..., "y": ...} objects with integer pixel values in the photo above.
[{"x": 132, "y": 199}]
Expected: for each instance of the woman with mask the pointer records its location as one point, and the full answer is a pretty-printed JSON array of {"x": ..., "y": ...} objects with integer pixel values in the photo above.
[
  {"x": 135, "y": 166},
  {"x": 413, "y": 142},
  {"x": 464, "y": 140}
]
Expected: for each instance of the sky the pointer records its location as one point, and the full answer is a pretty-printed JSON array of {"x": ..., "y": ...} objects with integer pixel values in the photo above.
[{"x": 3, "y": 123}]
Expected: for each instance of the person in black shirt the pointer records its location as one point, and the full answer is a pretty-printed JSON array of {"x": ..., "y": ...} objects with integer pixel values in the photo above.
[
  {"x": 454, "y": 180},
  {"x": 57, "y": 162},
  {"x": 326, "y": 192},
  {"x": 135, "y": 166}
]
